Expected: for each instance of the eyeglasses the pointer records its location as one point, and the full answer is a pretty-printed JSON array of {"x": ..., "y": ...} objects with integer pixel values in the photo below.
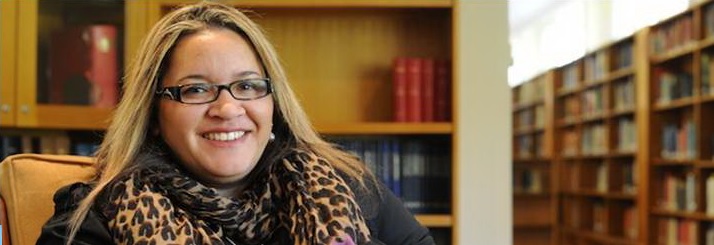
[{"x": 201, "y": 93}]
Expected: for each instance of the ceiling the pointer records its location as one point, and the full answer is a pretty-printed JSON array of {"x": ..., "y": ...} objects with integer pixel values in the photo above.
[{"x": 520, "y": 12}]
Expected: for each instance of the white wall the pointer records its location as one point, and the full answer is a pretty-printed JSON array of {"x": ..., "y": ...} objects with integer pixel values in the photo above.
[{"x": 483, "y": 132}]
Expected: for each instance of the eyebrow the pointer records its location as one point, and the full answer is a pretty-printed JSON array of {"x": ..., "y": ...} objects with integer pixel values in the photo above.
[{"x": 237, "y": 76}]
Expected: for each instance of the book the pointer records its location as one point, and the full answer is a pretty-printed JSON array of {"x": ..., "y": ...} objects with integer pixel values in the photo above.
[
  {"x": 414, "y": 89},
  {"x": 428, "y": 89},
  {"x": 83, "y": 66},
  {"x": 399, "y": 88},
  {"x": 442, "y": 91}
]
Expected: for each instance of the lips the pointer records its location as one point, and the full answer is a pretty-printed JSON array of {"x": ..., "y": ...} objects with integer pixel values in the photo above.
[{"x": 223, "y": 136}]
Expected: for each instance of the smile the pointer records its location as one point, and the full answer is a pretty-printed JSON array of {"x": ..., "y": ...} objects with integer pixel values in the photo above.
[{"x": 224, "y": 136}]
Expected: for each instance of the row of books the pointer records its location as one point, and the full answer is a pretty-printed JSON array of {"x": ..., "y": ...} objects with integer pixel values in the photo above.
[
  {"x": 421, "y": 89},
  {"x": 594, "y": 140},
  {"x": 674, "y": 231},
  {"x": 707, "y": 77},
  {"x": 570, "y": 78},
  {"x": 624, "y": 97},
  {"x": 528, "y": 146},
  {"x": 602, "y": 217},
  {"x": 596, "y": 66},
  {"x": 45, "y": 144},
  {"x": 527, "y": 119},
  {"x": 529, "y": 180},
  {"x": 626, "y": 135},
  {"x": 673, "y": 85},
  {"x": 679, "y": 140},
  {"x": 417, "y": 171},
  {"x": 593, "y": 102},
  {"x": 623, "y": 177},
  {"x": 83, "y": 66},
  {"x": 679, "y": 192},
  {"x": 530, "y": 92},
  {"x": 673, "y": 35}
]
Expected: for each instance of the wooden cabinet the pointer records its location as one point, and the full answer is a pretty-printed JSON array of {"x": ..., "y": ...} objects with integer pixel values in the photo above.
[
  {"x": 535, "y": 207},
  {"x": 28, "y": 29},
  {"x": 8, "y": 28}
]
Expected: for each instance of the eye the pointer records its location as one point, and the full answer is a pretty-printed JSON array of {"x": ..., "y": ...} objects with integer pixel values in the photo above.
[
  {"x": 194, "y": 89},
  {"x": 247, "y": 85}
]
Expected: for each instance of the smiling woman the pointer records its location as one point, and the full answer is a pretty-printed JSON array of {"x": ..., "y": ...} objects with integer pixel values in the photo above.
[{"x": 184, "y": 161}]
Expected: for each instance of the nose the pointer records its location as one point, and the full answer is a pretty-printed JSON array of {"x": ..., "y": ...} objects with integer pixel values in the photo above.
[{"x": 226, "y": 106}]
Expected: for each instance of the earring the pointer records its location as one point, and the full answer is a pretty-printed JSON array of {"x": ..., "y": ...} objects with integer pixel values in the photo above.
[{"x": 272, "y": 137}]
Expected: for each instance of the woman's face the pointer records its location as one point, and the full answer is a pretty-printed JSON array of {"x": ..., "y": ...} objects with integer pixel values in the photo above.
[{"x": 220, "y": 142}]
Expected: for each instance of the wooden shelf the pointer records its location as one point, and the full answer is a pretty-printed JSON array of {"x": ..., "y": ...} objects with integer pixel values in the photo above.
[
  {"x": 435, "y": 220},
  {"x": 672, "y": 162},
  {"x": 621, "y": 73},
  {"x": 528, "y": 130},
  {"x": 675, "y": 104},
  {"x": 386, "y": 128},
  {"x": 527, "y": 105},
  {"x": 528, "y": 194},
  {"x": 71, "y": 117},
  {"x": 675, "y": 53},
  {"x": 331, "y": 3},
  {"x": 532, "y": 225}
]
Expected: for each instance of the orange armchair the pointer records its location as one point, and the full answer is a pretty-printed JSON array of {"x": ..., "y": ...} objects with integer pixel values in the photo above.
[{"x": 27, "y": 184}]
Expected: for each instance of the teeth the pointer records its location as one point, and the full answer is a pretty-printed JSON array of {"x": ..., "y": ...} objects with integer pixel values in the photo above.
[{"x": 224, "y": 136}]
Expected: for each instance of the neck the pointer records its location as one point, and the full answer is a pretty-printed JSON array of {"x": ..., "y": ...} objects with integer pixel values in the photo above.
[{"x": 229, "y": 190}]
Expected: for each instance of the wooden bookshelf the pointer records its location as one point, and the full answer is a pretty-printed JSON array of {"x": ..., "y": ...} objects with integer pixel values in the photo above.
[
  {"x": 534, "y": 209},
  {"x": 681, "y": 126},
  {"x": 596, "y": 145}
]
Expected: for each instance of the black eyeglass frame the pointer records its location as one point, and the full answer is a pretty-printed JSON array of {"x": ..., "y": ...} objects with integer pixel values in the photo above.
[{"x": 174, "y": 92}]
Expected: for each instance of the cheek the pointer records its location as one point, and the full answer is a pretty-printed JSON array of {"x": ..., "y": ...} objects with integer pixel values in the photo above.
[{"x": 173, "y": 118}]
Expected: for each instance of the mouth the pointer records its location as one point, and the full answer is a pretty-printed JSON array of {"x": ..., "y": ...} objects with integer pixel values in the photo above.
[{"x": 223, "y": 136}]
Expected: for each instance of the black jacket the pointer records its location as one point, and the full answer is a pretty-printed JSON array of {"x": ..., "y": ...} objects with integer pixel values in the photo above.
[{"x": 388, "y": 221}]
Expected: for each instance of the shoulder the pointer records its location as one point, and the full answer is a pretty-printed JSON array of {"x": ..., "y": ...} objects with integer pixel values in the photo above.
[{"x": 92, "y": 231}]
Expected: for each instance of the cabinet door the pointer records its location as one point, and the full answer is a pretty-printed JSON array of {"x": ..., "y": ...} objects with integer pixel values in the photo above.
[
  {"x": 8, "y": 28},
  {"x": 69, "y": 63}
]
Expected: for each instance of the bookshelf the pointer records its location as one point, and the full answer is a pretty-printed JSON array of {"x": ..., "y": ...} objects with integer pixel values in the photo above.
[
  {"x": 535, "y": 200},
  {"x": 7, "y": 61},
  {"x": 680, "y": 62},
  {"x": 596, "y": 137}
]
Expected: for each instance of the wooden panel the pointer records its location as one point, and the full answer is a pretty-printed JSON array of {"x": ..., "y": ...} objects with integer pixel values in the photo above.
[
  {"x": 328, "y": 3},
  {"x": 27, "y": 63},
  {"x": 343, "y": 58},
  {"x": 8, "y": 47},
  {"x": 385, "y": 128},
  {"x": 532, "y": 237},
  {"x": 435, "y": 220},
  {"x": 71, "y": 117},
  {"x": 532, "y": 211}
]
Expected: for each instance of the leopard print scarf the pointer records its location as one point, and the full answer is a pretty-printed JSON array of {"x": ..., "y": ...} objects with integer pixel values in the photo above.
[{"x": 304, "y": 196}]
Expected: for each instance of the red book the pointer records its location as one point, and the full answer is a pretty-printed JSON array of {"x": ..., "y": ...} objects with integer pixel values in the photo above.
[
  {"x": 414, "y": 89},
  {"x": 442, "y": 91},
  {"x": 427, "y": 90},
  {"x": 83, "y": 66},
  {"x": 399, "y": 87},
  {"x": 103, "y": 70}
]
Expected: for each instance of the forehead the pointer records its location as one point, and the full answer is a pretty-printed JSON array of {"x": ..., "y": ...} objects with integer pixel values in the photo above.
[{"x": 214, "y": 53}]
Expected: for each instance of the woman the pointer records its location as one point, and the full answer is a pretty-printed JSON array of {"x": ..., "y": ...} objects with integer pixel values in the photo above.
[{"x": 210, "y": 146}]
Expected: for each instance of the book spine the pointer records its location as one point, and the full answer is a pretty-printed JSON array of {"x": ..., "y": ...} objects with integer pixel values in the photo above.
[
  {"x": 414, "y": 89},
  {"x": 428, "y": 88},
  {"x": 399, "y": 87},
  {"x": 103, "y": 71},
  {"x": 442, "y": 91}
]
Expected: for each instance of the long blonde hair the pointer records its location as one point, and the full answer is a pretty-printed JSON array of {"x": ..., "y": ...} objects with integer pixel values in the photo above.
[{"x": 134, "y": 117}]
